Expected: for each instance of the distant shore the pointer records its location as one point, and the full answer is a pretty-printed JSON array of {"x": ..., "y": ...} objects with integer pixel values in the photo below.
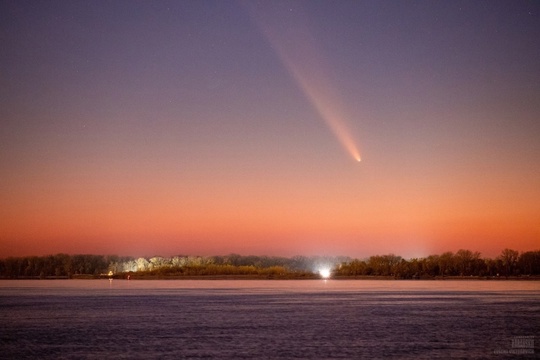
[
  {"x": 462, "y": 265},
  {"x": 136, "y": 277}
]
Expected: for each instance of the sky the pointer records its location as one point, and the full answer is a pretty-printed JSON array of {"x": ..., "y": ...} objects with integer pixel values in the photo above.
[{"x": 149, "y": 128}]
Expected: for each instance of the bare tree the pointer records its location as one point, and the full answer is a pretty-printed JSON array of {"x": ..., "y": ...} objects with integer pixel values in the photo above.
[{"x": 509, "y": 260}]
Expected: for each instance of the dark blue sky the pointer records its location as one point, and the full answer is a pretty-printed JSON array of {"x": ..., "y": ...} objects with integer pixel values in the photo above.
[{"x": 210, "y": 126}]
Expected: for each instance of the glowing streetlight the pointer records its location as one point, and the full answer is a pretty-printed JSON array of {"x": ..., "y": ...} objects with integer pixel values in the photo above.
[{"x": 325, "y": 273}]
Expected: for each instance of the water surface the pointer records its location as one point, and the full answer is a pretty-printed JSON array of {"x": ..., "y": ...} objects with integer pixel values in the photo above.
[{"x": 268, "y": 319}]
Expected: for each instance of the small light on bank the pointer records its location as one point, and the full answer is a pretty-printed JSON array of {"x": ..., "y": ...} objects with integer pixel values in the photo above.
[{"x": 325, "y": 273}]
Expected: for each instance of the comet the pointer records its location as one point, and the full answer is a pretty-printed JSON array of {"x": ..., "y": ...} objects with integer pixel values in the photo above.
[{"x": 297, "y": 50}]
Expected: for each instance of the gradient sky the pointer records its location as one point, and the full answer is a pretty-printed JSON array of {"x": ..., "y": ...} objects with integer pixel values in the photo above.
[{"x": 210, "y": 127}]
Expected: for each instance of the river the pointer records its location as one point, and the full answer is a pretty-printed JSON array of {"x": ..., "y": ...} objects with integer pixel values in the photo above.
[{"x": 268, "y": 319}]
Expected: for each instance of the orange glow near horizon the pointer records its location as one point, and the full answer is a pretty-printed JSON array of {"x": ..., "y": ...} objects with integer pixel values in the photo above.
[{"x": 268, "y": 219}]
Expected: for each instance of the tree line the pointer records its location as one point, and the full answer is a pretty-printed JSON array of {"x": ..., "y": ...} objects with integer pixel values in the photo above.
[
  {"x": 70, "y": 266},
  {"x": 462, "y": 263}
]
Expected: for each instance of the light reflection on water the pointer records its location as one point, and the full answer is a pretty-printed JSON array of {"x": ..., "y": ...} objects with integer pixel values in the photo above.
[
  {"x": 254, "y": 286},
  {"x": 264, "y": 318}
]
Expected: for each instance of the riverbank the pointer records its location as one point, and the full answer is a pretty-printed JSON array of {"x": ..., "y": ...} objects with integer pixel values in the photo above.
[
  {"x": 261, "y": 277},
  {"x": 142, "y": 276},
  {"x": 316, "y": 277}
]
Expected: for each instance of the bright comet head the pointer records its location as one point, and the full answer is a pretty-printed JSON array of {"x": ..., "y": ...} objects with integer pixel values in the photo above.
[{"x": 325, "y": 273}]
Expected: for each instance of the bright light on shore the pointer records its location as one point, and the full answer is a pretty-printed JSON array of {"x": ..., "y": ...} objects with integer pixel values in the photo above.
[{"x": 325, "y": 273}]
